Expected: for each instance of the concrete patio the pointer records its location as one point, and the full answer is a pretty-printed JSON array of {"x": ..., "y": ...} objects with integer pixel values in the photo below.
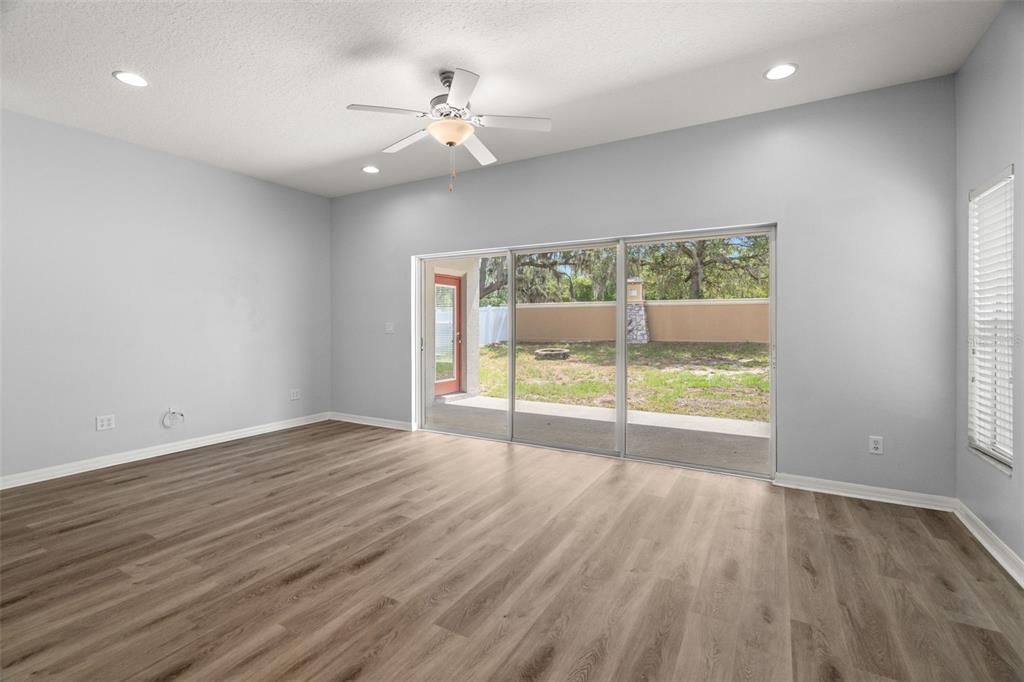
[{"x": 706, "y": 441}]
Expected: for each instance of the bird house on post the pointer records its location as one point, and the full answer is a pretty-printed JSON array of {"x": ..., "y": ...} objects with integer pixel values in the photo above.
[
  {"x": 634, "y": 290},
  {"x": 636, "y": 312}
]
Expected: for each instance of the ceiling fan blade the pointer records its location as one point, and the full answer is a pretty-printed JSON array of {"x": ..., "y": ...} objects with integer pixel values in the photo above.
[
  {"x": 481, "y": 153},
  {"x": 463, "y": 85},
  {"x": 405, "y": 142},
  {"x": 386, "y": 110},
  {"x": 520, "y": 122}
]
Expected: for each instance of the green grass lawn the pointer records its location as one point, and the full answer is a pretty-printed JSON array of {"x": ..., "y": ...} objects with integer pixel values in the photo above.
[{"x": 704, "y": 379}]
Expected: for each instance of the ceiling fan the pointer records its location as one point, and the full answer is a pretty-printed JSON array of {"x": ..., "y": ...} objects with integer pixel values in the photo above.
[{"x": 453, "y": 122}]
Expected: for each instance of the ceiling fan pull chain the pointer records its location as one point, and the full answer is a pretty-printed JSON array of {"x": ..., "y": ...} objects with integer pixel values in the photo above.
[{"x": 451, "y": 165}]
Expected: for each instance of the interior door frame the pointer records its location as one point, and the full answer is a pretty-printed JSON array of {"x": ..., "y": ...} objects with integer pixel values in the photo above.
[
  {"x": 453, "y": 385},
  {"x": 419, "y": 373}
]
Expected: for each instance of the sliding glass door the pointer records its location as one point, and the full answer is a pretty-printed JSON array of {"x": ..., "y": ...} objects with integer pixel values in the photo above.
[
  {"x": 655, "y": 348},
  {"x": 565, "y": 348},
  {"x": 698, "y": 352}
]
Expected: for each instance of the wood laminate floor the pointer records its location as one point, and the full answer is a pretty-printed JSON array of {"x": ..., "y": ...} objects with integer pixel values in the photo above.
[{"x": 345, "y": 552}]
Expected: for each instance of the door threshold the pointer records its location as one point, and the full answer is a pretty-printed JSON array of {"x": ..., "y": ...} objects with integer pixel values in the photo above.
[{"x": 452, "y": 397}]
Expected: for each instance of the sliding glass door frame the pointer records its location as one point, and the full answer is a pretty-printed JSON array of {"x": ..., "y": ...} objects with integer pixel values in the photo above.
[
  {"x": 513, "y": 289},
  {"x": 621, "y": 370},
  {"x": 621, "y": 386}
]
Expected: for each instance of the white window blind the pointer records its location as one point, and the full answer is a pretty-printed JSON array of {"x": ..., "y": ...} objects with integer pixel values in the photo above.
[{"x": 991, "y": 330}]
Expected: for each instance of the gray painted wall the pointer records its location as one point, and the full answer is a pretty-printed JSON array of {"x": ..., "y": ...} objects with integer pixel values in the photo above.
[
  {"x": 862, "y": 188},
  {"x": 990, "y": 136},
  {"x": 134, "y": 281}
]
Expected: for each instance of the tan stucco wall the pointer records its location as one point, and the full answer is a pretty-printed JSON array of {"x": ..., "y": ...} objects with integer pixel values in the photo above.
[
  {"x": 666, "y": 320},
  {"x": 707, "y": 321},
  {"x": 545, "y": 322}
]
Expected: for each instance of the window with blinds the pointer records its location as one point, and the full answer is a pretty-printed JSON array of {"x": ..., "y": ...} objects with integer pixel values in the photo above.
[{"x": 991, "y": 332}]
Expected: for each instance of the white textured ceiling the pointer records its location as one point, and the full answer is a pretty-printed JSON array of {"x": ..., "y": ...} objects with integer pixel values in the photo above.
[{"x": 261, "y": 88}]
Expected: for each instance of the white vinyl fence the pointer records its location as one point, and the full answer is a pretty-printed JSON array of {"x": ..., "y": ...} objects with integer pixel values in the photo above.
[{"x": 493, "y": 325}]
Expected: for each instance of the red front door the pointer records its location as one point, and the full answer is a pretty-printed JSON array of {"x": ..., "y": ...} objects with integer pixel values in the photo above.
[{"x": 447, "y": 334}]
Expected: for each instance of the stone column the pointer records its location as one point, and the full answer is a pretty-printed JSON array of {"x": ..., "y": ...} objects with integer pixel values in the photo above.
[{"x": 636, "y": 312}]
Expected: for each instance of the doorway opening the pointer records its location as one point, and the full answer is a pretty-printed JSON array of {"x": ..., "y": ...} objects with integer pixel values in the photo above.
[{"x": 465, "y": 335}]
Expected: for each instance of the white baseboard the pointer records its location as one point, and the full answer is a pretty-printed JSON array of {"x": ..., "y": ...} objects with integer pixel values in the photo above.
[
  {"x": 45, "y": 474},
  {"x": 868, "y": 492},
  {"x": 999, "y": 550},
  {"x": 372, "y": 421}
]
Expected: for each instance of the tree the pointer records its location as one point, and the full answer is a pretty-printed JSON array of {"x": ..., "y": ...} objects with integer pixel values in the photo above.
[
  {"x": 493, "y": 281},
  {"x": 730, "y": 267},
  {"x": 574, "y": 275}
]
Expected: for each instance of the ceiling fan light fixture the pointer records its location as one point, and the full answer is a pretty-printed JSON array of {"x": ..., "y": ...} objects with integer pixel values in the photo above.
[
  {"x": 450, "y": 131},
  {"x": 453, "y": 123}
]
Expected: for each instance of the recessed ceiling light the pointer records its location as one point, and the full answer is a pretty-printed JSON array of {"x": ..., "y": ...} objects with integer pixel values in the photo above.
[
  {"x": 780, "y": 71},
  {"x": 371, "y": 169},
  {"x": 129, "y": 78}
]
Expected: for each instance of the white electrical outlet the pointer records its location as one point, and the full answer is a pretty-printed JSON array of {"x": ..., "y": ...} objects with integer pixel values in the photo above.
[
  {"x": 389, "y": 327},
  {"x": 172, "y": 417},
  {"x": 294, "y": 394},
  {"x": 105, "y": 422},
  {"x": 875, "y": 445}
]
